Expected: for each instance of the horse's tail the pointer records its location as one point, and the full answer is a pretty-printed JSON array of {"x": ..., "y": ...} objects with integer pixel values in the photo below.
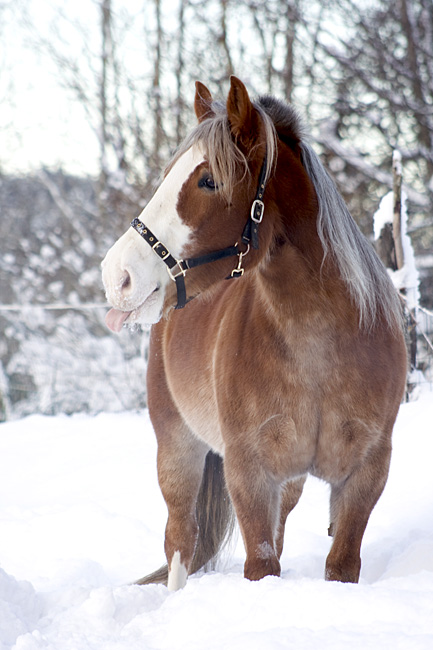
[{"x": 215, "y": 518}]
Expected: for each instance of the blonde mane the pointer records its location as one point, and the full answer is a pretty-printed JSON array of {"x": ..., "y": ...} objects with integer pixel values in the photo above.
[
  {"x": 361, "y": 270},
  {"x": 228, "y": 163}
]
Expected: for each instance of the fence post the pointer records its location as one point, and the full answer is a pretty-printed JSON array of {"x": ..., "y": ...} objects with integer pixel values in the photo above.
[
  {"x": 399, "y": 252},
  {"x": 396, "y": 225}
]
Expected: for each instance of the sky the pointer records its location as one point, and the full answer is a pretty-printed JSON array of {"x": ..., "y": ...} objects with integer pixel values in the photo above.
[{"x": 41, "y": 123}]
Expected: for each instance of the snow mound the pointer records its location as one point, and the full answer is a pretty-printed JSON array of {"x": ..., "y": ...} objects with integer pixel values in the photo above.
[
  {"x": 20, "y": 609},
  {"x": 407, "y": 277},
  {"x": 81, "y": 516}
]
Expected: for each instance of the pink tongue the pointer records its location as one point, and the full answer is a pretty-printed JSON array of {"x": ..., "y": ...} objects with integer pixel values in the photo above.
[{"x": 115, "y": 319}]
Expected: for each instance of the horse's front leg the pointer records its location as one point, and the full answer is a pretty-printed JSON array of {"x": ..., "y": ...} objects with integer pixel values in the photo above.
[
  {"x": 181, "y": 459},
  {"x": 256, "y": 498}
]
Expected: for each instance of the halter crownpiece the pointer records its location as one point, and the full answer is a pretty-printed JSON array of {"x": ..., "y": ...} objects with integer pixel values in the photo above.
[{"x": 177, "y": 268}]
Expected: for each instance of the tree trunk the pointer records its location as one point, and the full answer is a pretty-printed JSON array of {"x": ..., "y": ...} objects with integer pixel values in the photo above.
[
  {"x": 180, "y": 104},
  {"x": 103, "y": 101},
  {"x": 399, "y": 253},
  {"x": 396, "y": 175},
  {"x": 288, "y": 73},
  {"x": 156, "y": 94}
]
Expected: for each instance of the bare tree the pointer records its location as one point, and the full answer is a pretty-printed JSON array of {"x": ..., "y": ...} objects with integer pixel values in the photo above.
[
  {"x": 385, "y": 89},
  {"x": 277, "y": 25},
  {"x": 6, "y": 82},
  {"x": 223, "y": 38},
  {"x": 180, "y": 105},
  {"x": 158, "y": 135},
  {"x": 292, "y": 17}
]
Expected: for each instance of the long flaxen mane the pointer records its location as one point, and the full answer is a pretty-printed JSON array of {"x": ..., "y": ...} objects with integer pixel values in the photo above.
[{"x": 365, "y": 277}]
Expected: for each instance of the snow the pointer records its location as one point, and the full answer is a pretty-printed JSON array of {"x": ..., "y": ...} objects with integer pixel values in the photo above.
[
  {"x": 81, "y": 517},
  {"x": 407, "y": 277},
  {"x": 384, "y": 214}
]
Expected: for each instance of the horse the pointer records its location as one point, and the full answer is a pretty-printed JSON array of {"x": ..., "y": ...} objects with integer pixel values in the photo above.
[{"x": 276, "y": 349}]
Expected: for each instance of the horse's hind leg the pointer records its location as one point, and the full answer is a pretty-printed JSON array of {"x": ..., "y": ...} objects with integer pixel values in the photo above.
[
  {"x": 351, "y": 506},
  {"x": 290, "y": 496}
]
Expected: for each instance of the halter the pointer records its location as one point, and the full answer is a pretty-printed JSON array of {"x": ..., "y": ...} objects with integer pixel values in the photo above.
[{"x": 177, "y": 268}]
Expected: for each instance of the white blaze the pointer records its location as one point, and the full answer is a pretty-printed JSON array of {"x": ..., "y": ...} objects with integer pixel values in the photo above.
[{"x": 134, "y": 277}]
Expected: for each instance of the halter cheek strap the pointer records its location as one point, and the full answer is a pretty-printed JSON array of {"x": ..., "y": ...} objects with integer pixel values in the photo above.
[
  {"x": 177, "y": 268},
  {"x": 251, "y": 230}
]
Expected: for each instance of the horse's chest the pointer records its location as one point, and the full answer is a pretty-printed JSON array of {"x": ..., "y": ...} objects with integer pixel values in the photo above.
[
  {"x": 220, "y": 405},
  {"x": 194, "y": 395},
  {"x": 226, "y": 390}
]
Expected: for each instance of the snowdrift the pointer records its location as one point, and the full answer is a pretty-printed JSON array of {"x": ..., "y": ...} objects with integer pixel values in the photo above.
[{"x": 81, "y": 517}]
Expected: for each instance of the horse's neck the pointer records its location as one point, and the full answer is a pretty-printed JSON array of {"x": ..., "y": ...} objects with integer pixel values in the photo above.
[
  {"x": 294, "y": 221},
  {"x": 295, "y": 283}
]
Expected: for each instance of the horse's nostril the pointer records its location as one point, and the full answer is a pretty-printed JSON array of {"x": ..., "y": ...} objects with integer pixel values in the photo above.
[{"x": 126, "y": 281}]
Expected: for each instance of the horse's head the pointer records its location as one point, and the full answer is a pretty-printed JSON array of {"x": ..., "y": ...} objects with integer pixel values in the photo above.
[{"x": 199, "y": 208}]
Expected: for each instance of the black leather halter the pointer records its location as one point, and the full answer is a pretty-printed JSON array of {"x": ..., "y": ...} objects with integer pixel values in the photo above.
[{"x": 177, "y": 268}]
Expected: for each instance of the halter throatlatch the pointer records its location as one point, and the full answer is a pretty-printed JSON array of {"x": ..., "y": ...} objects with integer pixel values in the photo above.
[{"x": 177, "y": 268}]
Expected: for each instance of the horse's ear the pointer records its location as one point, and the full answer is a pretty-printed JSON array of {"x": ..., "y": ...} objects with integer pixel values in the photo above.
[
  {"x": 202, "y": 102},
  {"x": 241, "y": 113}
]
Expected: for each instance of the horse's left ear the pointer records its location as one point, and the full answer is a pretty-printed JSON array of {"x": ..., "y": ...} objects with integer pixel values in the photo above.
[
  {"x": 202, "y": 102},
  {"x": 241, "y": 113}
]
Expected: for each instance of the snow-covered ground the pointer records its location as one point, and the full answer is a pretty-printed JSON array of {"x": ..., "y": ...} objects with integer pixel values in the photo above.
[{"x": 81, "y": 517}]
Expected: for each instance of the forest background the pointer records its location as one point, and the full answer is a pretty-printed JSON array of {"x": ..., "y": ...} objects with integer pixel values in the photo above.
[{"x": 94, "y": 97}]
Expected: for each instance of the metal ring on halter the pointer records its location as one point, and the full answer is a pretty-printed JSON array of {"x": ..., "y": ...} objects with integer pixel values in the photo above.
[
  {"x": 239, "y": 270},
  {"x": 180, "y": 270}
]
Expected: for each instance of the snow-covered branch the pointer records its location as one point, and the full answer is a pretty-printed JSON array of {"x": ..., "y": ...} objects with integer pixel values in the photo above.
[{"x": 328, "y": 138}]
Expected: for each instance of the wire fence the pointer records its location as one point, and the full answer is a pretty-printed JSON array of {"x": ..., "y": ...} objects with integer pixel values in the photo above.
[
  {"x": 55, "y": 307},
  {"x": 74, "y": 364},
  {"x": 423, "y": 376},
  {"x": 61, "y": 358}
]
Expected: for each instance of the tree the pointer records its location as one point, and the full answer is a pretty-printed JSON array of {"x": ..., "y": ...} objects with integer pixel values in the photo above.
[
  {"x": 367, "y": 84},
  {"x": 383, "y": 99},
  {"x": 6, "y": 81}
]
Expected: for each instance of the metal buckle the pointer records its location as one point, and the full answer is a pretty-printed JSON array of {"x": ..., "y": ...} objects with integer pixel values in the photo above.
[
  {"x": 181, "y": 271},
  {"x": 162, "y": 254},
  {"x": 260, "y": 206}
]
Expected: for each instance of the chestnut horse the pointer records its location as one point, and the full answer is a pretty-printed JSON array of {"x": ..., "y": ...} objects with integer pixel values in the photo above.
[{"x": 276, "y": 349}]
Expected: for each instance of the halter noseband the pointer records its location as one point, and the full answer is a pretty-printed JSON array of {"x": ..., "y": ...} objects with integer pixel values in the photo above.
[{"x": 177, "y": 268}]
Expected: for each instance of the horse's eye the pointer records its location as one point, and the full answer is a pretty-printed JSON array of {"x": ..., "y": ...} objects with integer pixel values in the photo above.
[{"x": 207, "y": 182}]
